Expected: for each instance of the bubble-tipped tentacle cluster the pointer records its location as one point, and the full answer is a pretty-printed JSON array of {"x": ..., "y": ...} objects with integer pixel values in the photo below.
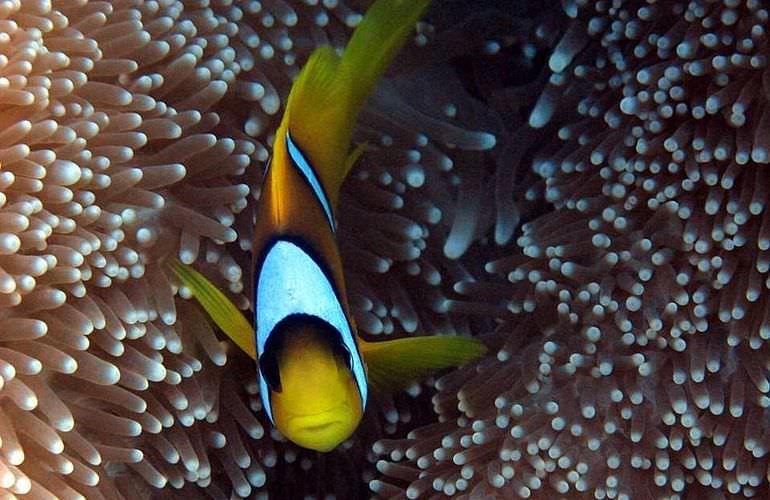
[
  {"x": 100, "y": 375},
  {"x": 636, "y": 362},
  {"x": 132, "y": 131}
]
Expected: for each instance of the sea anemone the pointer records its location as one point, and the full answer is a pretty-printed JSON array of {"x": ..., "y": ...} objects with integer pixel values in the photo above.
[
  {"x": 134, "y": 131},
  {"x": 627, "y": 317},
  {"x": 634, "y": 361}
]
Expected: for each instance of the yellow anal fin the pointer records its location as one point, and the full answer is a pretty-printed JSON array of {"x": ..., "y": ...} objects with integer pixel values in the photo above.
[
  {"x": 326, "y": 98},
  {"x": 394, "y": 364},
  {"x": 221, "y": 310}
]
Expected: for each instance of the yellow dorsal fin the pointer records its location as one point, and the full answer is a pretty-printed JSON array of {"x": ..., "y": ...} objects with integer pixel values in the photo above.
[
  {"x": 224, "y": 313},
  {"x": 316, "y": 89},
  {"x": 394, "y": 364},
  {"x": 327, "y": 96},
  {"x": 375, "y": 42}
]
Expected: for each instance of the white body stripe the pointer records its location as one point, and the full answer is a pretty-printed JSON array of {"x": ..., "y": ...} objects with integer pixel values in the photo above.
[
  {"x": 307, "y": 171},
  {"x": 291, "y": 282}
]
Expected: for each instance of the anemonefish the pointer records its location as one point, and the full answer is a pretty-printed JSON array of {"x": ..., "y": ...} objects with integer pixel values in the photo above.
[{"x": 314, "y": 370}]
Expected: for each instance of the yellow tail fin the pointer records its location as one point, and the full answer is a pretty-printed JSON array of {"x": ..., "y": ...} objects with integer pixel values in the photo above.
[
  {"x": 394, "y": 364},
  {"x": 218, "y": 306},
  {"x": 328, "y": 94}
]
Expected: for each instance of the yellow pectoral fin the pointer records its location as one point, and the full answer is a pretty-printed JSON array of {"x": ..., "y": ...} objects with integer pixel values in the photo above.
[
  {"x": 354, "y": 156},
  {"x": 394, "y": 364},
  {"x": 218, "y": 306}
]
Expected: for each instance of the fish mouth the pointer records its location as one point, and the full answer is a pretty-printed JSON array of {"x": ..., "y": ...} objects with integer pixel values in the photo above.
[
  {"x": 321, "y": 431},
  {"x": 320, "y": 427},
  {"x": 317, "y": 421}
]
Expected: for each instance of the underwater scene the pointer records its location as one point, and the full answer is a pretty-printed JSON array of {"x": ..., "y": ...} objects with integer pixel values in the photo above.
[{"x": 384, "y": 249}]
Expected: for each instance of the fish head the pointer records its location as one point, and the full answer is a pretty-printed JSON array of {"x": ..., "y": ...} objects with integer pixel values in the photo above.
[{"x": 314, "y": 397}]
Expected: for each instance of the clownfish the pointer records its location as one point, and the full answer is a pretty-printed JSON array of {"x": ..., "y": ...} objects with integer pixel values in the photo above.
[{"x": 314, "y": 370}]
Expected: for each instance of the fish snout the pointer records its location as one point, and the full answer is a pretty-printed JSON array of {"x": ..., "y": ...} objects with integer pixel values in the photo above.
[{"x": 322, "y": 431}]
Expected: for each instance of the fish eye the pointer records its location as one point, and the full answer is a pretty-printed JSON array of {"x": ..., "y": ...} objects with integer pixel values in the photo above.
[
  {"x": 343, "y": 352},
  {"x": 268, "y": 367}
]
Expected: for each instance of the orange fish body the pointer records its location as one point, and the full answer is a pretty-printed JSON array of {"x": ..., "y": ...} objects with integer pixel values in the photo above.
[
  {"x": 306, "y": 336},
  {"x": 314, "y": 371}
]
